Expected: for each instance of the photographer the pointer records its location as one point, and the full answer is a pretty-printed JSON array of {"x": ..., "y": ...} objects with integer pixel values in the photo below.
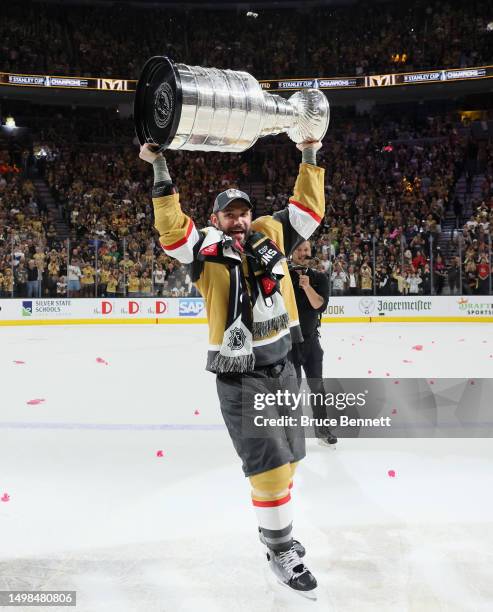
[{"x": 311, "y": 290}]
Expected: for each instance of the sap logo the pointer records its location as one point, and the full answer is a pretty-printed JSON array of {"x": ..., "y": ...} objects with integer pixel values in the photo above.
[{"x": 191, "y": 307}]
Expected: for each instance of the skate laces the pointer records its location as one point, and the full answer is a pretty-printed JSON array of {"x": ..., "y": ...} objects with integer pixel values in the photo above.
[{"x": 291, "y": 561}]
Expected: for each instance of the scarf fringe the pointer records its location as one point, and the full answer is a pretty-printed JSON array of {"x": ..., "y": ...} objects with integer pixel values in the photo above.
[
  {"x": 261, "y": 329},
  {"x": 223, "y": 365}
]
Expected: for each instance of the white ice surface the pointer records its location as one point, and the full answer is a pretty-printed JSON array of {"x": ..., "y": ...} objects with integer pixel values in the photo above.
[{"x": 93, "y": 509}]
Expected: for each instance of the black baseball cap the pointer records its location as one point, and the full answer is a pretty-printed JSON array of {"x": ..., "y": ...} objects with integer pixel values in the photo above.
[{"x": 226, "y": 197}]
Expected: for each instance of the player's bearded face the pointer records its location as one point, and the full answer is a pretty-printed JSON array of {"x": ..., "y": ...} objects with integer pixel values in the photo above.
[{"x": 235, "y": 221}]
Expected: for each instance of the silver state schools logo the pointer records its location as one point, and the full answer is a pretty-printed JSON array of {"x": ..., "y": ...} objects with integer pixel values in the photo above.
[
  {"x": 236, "y": 339},
  {"x": 163, "y": 105},
  {"x": 367, "y": 305},
  {"x": 233, "y": 193}
]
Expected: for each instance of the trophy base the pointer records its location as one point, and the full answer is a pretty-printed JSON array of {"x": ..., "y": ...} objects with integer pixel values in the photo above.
[{"x": 158, "y": 102}]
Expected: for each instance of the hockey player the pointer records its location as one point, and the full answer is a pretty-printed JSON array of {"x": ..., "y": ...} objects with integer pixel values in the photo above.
[{"x": 239, "y": 266}]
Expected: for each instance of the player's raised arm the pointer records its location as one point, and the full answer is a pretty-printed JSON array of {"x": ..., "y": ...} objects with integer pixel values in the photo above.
[
  {"x": 177, "y": 231},
  {"x": 306, "y": 207}
]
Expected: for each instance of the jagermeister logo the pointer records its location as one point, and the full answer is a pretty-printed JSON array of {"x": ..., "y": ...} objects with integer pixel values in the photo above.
[
  {"x": 163, "y": 105},
  {"x": 236, "y": 339}
]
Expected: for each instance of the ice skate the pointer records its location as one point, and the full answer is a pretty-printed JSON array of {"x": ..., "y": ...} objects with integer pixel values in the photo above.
[
  {"x": 326, "y": 438},
  {"x": 298, "y": 546},
  {"x": 291, "y": 572}
]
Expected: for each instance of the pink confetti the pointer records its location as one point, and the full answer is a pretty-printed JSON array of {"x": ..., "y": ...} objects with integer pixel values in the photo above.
[
  {"x": 396, "y": 382},
  {"x": 339, "y": 358},
  {"x": 35, "y": 402},
  {"x": 159, "y": 453},
  {"x": 353, "y": 344},
  {"x": 5, "y": 497},
  {"x": 101, "y": 360},
  {"x": 391, "y": 473},
  {"x": 394, "y": 411},
  {"x": 19, "y": 362},
  {"x": 370, "y": 372},
  {"x": 491, "y": 356},
  {"x": 406, "y": 361},
  {"x": 417, "y": 347},
  {"x": 196, "y": 413},
  {"x": 433, "y": 342},
  {"x": 432, "y": 382},
  {"x": 471, "y": 382},
  {"x": 387, "y": 373}
]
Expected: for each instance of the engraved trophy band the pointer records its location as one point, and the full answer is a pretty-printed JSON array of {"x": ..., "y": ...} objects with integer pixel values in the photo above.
[{"x": 206, "y": 109}]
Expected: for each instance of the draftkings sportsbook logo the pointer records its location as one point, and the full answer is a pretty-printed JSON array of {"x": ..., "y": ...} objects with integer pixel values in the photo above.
[
  {"x": 27, "y": 309},
  {"x": 475, "y": 308}
]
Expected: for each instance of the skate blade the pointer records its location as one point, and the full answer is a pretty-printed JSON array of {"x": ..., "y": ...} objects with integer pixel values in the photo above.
[
  {"x": 311, "y": 595},
  {"x": 322, "y": 442}
]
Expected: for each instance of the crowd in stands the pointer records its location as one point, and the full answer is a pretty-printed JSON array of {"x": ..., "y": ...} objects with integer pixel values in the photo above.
[
  {"x": 385, "y": 207},
  {"x": 24, "y": 230},
  {"x": 116, "y": 40},
  {"x": 389, "y": 185}
]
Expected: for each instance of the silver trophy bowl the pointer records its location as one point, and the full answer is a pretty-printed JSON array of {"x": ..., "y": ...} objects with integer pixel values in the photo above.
[{"x": 206, "y": 109}]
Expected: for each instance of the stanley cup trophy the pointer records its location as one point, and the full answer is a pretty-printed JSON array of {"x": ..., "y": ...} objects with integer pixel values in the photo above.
[{"x": 207, "y": 109}]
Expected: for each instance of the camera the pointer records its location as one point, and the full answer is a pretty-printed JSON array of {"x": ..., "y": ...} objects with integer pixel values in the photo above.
[{"x": 296, "y": 268}]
